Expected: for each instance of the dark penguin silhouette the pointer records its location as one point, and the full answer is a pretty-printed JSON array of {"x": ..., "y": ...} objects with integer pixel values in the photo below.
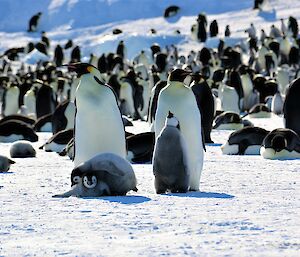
[
  {"x": 202, "y": 24},
  {"x": 117, "y": 31},
  {"x": 45, "y": 39},
  {"x": 102, "y": 64},
  {"x": 293, "y": 26},
  {"x": 257, "y": 4},
  {"x": 291, "y": 107},
  {"x": 41, "y": 47},
  {"x": 205, "y": 102},
  {"x": 227, "y": 31},
  {"x": 204, "y": 56},
  {"x": 161, "y": 61},
  {"x": 45, "y": 102},
  {"x": 69, "y": 44},
  {"x": 33, "y": 22},
  {"x": 58, "y": 56},
  {"x": 171, "y": 11},
  {"x": 121, "y": 49},
  {"x": 76, "y": 54},
  {"x": 214, "y": 28}
]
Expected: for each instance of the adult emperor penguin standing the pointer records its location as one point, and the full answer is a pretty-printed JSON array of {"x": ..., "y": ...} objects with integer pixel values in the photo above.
[
  {"x": 180, "y": 100},
  {"x": 98, "y": 122}
]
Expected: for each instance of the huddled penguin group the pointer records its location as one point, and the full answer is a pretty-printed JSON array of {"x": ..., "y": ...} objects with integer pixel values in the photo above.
[{"x": 89, "y": 106}]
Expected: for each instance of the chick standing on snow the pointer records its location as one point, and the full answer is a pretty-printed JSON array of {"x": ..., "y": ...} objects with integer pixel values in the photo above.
[{"x": 170, "y": 165}]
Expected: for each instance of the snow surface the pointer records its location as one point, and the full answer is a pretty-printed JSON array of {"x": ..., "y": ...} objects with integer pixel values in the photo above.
[{"x": 248, "y": 206}]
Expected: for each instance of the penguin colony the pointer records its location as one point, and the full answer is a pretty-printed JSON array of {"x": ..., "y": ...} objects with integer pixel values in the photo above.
[{"x": 87, "y": 106}]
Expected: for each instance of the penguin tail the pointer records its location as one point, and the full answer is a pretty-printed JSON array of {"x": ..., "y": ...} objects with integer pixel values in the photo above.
[{"x": 11, "y": 161}]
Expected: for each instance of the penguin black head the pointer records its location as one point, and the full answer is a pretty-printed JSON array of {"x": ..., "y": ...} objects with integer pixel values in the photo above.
[
  {"x": 278, "y": 143},
  {"x": 75, "y": 176},
  {"x": 172, "y": 121},
  {"x": 89, "y": 181},
  {"x": 81, "y": 68},
  {"x": 178, "y": 75}
]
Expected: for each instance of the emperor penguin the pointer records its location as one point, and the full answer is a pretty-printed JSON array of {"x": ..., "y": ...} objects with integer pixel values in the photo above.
[
  {"x": 10, "y": 103},
  {"x": 98, "y": 121},
  {"x": 179, "y": 99}
]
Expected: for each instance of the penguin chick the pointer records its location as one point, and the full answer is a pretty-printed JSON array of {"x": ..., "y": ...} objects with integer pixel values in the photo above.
[
  {"x": 170, "y": 165},
  {"x": 5, "y": 163}
]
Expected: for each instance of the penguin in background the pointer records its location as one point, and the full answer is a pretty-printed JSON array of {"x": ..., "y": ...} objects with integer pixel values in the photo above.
[
  {"x": 45, "y": 39},
  {"x": 69, "y": 44},
  {"x": 41, "y": 47},
  {"x": 293, "y": 26},
  {"x": 170, "y": 161},
  {"x": 214, "y": 28},
  {"x": 201, "y": 25},
  {"x": 98, "y": 123},
  {"x": 75, "y": 55},
  {"x": 205, "y": 102},
  {"x": 34, "y": 22},
  {"x": 258, "y": 4},
  {"x": 93, "y": 60},
  {"x": 179, "y": 99},
  {"x": 121, "y": 50},
  {"x": 291, "y": 107},
  {"x": 227, "y": 32},
  {"x": 58, "y": 56},
  {"x": 10, "y": 100},
  {"x": 45, "y": 101}
]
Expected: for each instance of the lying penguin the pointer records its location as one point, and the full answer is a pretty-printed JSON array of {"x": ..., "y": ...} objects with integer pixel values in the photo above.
[
  {"x": 246, "y": 141},
  {"x": 5, "y": 163},
  {"x": 22, "y": 149},
  {"x": 58, "y": 141},
  {"x": 282, "y": 144},
  {"x": 228, "y": 121},
  {"x": 103, "y": 175}
]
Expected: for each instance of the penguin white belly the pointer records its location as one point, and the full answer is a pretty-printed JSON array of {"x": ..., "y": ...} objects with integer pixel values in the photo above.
[
  {"x": 253, "y": 150},
  {"x": 11, "y": 138},
  {"x": 229, "y": 149},
  {"x": 11, "y": 103},
  {"x": 186, "y": 111},
  {"x": 230, "y": 126},
  {"x": 126, "y": 94},
  {"x": 96, "y": 132},
  {"x": 70, "y": 115},
  {"x": 269, "y": 153},
  {"x": 260, "y": 115},
  {"x": 230, "y": 100},
  {"x": 54, "y": 147},
  {"x": 47, "y": 127},
  {"x": 30, "y": 103}
]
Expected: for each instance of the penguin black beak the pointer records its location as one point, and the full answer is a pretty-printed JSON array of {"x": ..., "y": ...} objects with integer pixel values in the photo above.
[
  {"x": 79, "y": 68},
  {"x": 170, "y": 115}
]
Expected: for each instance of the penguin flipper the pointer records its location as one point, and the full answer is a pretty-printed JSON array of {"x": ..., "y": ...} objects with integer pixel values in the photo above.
[{"x": 242, "y": 147}]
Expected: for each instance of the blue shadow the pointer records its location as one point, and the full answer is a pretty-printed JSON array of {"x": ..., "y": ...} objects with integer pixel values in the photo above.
[
  {"x": 131, "y": 199},
  {"x": 204, "y": 195}
]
